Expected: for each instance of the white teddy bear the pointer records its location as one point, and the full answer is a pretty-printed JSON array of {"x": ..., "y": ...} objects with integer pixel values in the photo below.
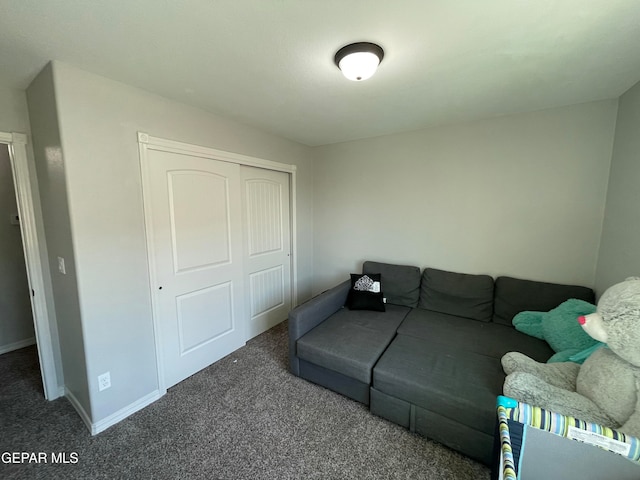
[{"x": 606, "y": 388}]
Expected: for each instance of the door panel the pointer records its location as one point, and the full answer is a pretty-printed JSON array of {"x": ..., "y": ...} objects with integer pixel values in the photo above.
[
  {"x": 264, "y": 210},
  {"x": 267, "y": 290},
  {"x": 197, "y": 253},
  {"x": 265, "y": 195},
  {"x": 200, "y": 236},
  {"x": 203, "y": 316}
]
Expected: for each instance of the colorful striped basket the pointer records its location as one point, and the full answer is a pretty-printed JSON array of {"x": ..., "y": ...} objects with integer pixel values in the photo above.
[{"x": 569, "y": 427}]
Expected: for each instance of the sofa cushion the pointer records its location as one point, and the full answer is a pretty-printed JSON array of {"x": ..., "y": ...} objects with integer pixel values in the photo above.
[
  {"x": 456, "y": 384},
  {"x": 400, "y": 283},
  {"x": 461, "y": 294},
  {"x": 513, "y": 296},
  {"x": 488, "y": 339},
  {"x": 351, "y": 341}
]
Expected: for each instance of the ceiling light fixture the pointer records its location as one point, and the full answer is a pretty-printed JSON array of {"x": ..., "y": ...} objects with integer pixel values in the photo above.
[{"x": 359, "y": 61}]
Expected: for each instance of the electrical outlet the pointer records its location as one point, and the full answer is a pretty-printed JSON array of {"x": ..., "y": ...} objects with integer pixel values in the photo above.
[{"x": 104, "y": 381}]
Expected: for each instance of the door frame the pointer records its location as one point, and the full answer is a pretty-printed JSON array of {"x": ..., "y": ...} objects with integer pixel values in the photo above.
[
  {"x": 25, "y": 183},
  {"x": 147, "y": 142}
]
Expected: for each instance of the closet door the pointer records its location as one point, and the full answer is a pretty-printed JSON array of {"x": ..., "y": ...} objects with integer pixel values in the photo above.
[
  {"x": 267, "y": 247},
  {"x": 197, "y": 254}
]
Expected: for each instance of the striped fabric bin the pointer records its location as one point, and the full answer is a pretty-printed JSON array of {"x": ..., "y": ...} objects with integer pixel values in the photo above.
[{"x": 510, "y": 410}]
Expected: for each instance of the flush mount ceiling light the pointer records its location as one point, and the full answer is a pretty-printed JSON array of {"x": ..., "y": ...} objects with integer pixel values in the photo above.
[{"x": 358, "y": 61}]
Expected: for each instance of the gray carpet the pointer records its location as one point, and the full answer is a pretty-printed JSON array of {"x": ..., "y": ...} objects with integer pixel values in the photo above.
[{"x": 245, "y": 417}]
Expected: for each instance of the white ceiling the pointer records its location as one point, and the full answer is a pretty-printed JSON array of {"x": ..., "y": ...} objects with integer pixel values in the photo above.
[{"x": 269, "y": 63}]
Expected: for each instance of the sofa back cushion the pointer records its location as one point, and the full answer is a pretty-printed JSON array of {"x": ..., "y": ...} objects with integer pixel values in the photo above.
[
  {"x": 400, "y": 283},
  {"x": 513, "y": 295},
  {"x": 461, "y": 294}
]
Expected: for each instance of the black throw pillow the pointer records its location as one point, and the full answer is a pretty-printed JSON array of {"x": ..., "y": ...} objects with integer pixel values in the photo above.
[{"x": 365, "y": 292}]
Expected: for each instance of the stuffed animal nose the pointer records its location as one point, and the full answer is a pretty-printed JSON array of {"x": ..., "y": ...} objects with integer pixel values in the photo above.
[{"x": 582, "y": 320}]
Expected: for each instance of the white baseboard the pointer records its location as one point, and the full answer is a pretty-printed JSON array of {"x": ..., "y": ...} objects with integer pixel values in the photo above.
[
  {"x": 79, "y": 408},
  {"x": 118, "y": 416},
  {"x": 123, "y": 413},
  {"x": 10, "y": 347}
]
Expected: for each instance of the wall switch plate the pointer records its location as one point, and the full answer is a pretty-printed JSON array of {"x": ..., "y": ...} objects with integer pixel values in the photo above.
[
  {"x": 104, "y": 381},
  {"x": 61, "y": 266}
]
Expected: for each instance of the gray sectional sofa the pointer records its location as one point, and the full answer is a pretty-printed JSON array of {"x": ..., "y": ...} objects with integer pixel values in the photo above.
[{"x": 431, "y": 361}]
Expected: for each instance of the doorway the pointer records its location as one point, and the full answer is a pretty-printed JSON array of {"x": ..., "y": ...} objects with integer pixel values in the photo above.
[
  {"x": 16, "y": 322},
  {"x": 34, "y": 254}
]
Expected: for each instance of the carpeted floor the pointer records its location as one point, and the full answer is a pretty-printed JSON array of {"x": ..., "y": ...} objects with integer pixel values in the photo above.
[{"x": 245, "y": 417}]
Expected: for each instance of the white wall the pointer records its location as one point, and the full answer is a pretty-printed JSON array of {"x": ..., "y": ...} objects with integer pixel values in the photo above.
[
  {"x": 51, "y": 170},
  {"x": 14, "y": 116},
  {"x": 521, "y": 195},
  {"x": 619, "y": 256},
  {"x": 16, "y": 321},
  {"x": 99, "y": 120}
]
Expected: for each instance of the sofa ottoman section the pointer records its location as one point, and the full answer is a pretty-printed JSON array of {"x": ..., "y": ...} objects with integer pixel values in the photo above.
[
  {"x": 459, "y": 437},
  {"x": 392, "y": 408},
  {"x": 484, "y": 338},
  {"x": 455, "y": 435},
  {"x": 348, "y": 344},
  {"x": 457, "y": 386}
]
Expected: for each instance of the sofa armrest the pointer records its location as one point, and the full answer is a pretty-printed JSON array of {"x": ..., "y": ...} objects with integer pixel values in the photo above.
[{"x": 310, "y": 314}]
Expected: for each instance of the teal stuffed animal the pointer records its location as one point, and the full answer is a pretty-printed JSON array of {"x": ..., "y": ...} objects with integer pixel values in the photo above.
[{"x": 560, "y": 329}]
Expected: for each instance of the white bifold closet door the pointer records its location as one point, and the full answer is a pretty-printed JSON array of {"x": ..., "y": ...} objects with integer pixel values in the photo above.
[{"x": 220, "y": 257}]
